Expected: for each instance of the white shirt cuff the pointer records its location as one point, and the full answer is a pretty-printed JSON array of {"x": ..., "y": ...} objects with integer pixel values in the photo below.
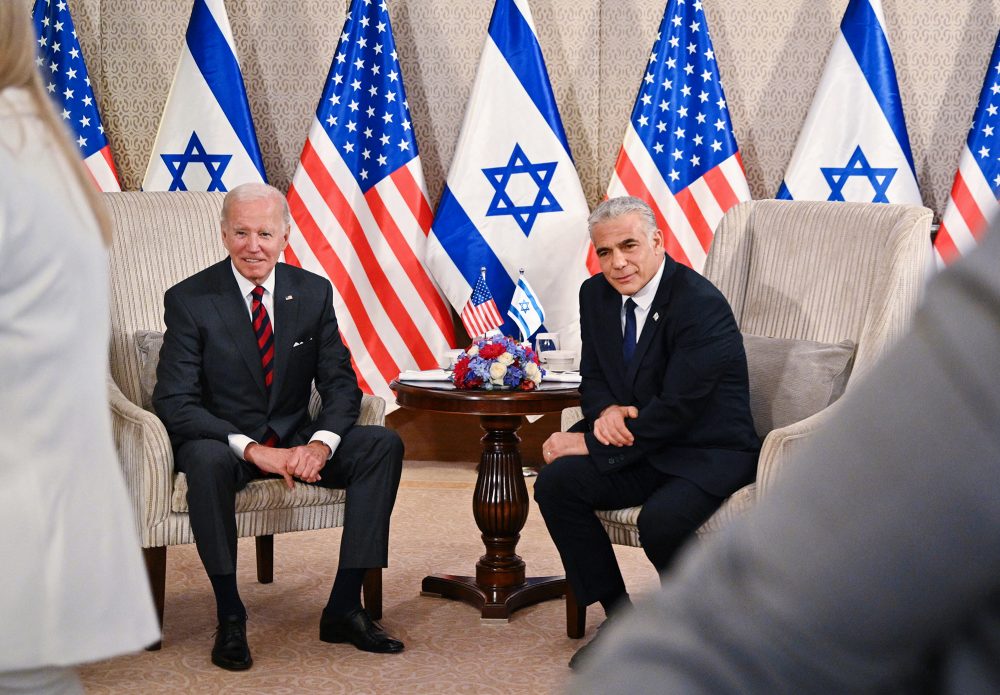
[
  {"x": 331, "y": 439},
  {"x": 238, "y": 443}
]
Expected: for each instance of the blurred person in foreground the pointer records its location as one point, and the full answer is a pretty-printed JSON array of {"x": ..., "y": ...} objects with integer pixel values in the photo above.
[
  {"x": 666, "y": 405},
  {"x": 73, "y": 588},
  {"x": 874, "y": 565}
]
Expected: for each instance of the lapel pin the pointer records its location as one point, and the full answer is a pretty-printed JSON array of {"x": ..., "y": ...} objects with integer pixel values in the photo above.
[
  {"x": 656, "y": 316},
  {"x": 288, "y": 298}
]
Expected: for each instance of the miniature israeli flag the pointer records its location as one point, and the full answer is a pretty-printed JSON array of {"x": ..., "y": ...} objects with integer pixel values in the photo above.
[
  {"x": 854, "y": 145},
  {"x": 525, "y": 308},
  {"x": 206, "y": 140},
  {"x": 513, "y": 197}
]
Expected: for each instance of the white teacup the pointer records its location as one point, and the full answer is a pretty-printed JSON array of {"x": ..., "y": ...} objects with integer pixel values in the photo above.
[
  {"x": 448, "y": 358},
  {"x": 558, "y": 360}
]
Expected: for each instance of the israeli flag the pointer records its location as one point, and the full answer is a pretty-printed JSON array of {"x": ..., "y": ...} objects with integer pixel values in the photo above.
[
  {"x": 526, "y": 309},
  {"x": 513, "y": 197},
  {"x": 854, "y": 144},
  {"x": 206, "y": 140}
]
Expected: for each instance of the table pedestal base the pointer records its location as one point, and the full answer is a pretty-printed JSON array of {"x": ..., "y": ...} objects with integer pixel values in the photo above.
[{"x": 494, "y": 603}]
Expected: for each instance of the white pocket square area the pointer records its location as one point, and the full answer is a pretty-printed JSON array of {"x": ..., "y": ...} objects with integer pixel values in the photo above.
[{"x": 301, "y": 342}]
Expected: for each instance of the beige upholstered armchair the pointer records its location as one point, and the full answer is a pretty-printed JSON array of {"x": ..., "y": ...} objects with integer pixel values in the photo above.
[
  {"x": 820, "y": 291},
  {"x": 160, "y": 239}
]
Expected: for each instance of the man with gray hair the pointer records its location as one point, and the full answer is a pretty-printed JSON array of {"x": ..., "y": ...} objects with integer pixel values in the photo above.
[
  {"x": 245, "y": 340},
  {"x": 666, "y": 408}
]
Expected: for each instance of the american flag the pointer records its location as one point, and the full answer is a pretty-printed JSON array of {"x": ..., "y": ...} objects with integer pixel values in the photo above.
[
  {"x": 360, "y": 211},
  {"x": 480, "y": 314},
  {"x": 679, "y": 153},
  {"x": 64, "y": 74},
  {"x": 975, "y": 195}
]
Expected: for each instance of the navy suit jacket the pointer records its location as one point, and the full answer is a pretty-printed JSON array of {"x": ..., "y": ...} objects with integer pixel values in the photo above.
[
  {"x": 688, "y": 378},
  {"x": 210, "y": 382}
]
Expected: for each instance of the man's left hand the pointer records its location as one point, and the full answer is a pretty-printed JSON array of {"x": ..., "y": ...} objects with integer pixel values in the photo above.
[
  {"x": 563, "y": 444},
  {"x": 308, "y": 460}
]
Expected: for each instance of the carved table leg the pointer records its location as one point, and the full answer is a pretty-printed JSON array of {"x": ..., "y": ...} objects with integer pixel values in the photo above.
[{"x": 500, "y": 507}]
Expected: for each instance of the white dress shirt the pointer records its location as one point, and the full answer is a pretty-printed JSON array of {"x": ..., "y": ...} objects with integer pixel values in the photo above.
[{"x": 643, "y": 300}]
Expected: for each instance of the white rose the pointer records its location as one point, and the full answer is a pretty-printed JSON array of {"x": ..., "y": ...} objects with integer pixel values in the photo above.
[
  {"x": 472, "y": 351},
  {"x": 497, "y": 372},
  {"x": 531, "y": 371},
  {"x": 506, "y": 359}
]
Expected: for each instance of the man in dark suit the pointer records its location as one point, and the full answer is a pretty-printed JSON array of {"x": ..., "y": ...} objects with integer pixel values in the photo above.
[
  {"x": 245, "y": 340},
  {"x": 666, "y": 408}
]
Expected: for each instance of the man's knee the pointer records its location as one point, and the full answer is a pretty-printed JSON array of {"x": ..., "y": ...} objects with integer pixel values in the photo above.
[
  {"x": 207, "y": 461},
  {"x": 384, "y": 447},
  {"x": 550, "y": 484}
]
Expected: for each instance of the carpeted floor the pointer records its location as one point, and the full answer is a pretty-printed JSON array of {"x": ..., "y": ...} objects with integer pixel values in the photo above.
[{"x": 448, "y": 650}]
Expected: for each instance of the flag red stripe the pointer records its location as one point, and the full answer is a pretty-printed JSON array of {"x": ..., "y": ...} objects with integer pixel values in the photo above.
[
  {"x": 106, "y": 153},
  {"x": 967, "y": 206},
  {"x": 291, "y": 258},
  {"x": 413, "y": 196},
  {"x": 412, "y": 267},
  {"x": 384, "y": 290},
  {"x": 945, "y": 245},
  {"x": 634, "y": 184},
  {"x": 689, "y": 206},
  {"x": 337, "y": 274},
  {"x": 724, "y": 194}
]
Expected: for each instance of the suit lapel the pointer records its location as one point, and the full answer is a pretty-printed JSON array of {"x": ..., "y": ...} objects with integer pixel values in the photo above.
[
  {"x": 609, "y": 340},
  {"x": 286, "y": 313},
  {"x": 652, "y": 324},
  {"x": 232, "y": 309}
]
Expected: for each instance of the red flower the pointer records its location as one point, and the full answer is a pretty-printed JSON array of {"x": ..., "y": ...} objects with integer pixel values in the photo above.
[{"x": 492, "y": 350}]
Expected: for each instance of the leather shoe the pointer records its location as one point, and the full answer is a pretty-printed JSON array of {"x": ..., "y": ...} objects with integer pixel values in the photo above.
[
  {"x": 360, "y": 630},
  {"x": 231, "y": 650}
]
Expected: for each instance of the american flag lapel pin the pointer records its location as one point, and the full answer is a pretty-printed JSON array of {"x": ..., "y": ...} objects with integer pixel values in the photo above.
[{"x": 289, "y": 298}]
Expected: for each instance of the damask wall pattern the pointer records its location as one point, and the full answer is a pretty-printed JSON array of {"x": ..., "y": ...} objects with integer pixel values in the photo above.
[{"x": 771, "y": 54}]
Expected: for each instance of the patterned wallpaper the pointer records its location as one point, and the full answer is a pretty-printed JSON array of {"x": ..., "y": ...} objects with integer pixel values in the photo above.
[{"x": 770, "y": 53}]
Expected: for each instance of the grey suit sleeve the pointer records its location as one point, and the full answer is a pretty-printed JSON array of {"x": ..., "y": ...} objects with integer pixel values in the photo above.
[
  {"x": 877, "y": 548},
  {"x": 177, "y": 397}
]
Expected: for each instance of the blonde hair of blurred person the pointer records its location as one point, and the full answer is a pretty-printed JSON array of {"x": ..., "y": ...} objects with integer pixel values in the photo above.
[
  {"x": 17, "y": 69},
  {"x": 75, "y": 589}
]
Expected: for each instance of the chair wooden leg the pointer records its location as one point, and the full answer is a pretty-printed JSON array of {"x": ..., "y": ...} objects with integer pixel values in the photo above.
[
  {"x": 156, "y": 570},
  {"x": 265, "y": 559},
  {"x": 372, "y": 590},
  {"x": 576, "y": 615}
]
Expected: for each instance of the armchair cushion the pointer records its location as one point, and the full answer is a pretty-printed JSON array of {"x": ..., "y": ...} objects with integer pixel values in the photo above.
[
  {"x": 793, "y": 379},
  {"x": 147, "y": 349}
]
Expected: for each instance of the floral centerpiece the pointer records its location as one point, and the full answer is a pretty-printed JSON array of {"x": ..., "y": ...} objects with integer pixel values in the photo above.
[{"x": 498, "y": 363}]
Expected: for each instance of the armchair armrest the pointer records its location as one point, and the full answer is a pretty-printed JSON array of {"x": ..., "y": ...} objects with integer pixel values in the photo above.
[
  {"x": 783, "y": 442},
  {"x": 145, "y": 456},
  {"x": 372, "y": 410}
]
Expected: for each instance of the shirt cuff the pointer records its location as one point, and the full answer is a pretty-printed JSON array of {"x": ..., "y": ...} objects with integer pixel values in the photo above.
[
  {"x": 238, "y": 443},
  {"x": 329, "y": 438}
]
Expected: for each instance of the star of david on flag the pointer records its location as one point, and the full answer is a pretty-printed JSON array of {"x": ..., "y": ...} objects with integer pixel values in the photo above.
[
  {"x": 854, "y": 145},
  {"x": 679, "y": 152},
  {"x": 360, "y": 214},
  {"x": 513, "y": 198},
  {"x": 65, "y": 77},
  {"x": 975, "y": 194},
  {"x": 206, "y": 140},
  {"x": 525, "y": 308}
]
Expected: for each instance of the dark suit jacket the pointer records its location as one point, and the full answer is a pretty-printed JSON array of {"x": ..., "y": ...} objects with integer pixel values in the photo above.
[
  {"x": 688, "y": 378},
  {"x": 210, "y": 383}
]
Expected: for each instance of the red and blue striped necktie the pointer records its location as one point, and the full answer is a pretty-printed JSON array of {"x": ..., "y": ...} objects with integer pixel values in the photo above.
[{"x": 265, "y": 344}]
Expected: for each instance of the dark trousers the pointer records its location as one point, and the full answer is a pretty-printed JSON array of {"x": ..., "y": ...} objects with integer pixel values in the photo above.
[
  {"x": 569, "y": 490},
  {"x": 367, "y": 464}
]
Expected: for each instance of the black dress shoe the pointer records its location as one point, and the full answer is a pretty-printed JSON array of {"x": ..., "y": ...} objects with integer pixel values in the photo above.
[
  {"x": 231, "y": 650},
  {"x": 360, "y": 630}
]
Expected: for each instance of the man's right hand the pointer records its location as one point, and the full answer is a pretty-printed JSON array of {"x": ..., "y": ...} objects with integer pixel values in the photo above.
[
  {"x": 610, "y": 428},
  {"x": 270, "y": 460}
]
